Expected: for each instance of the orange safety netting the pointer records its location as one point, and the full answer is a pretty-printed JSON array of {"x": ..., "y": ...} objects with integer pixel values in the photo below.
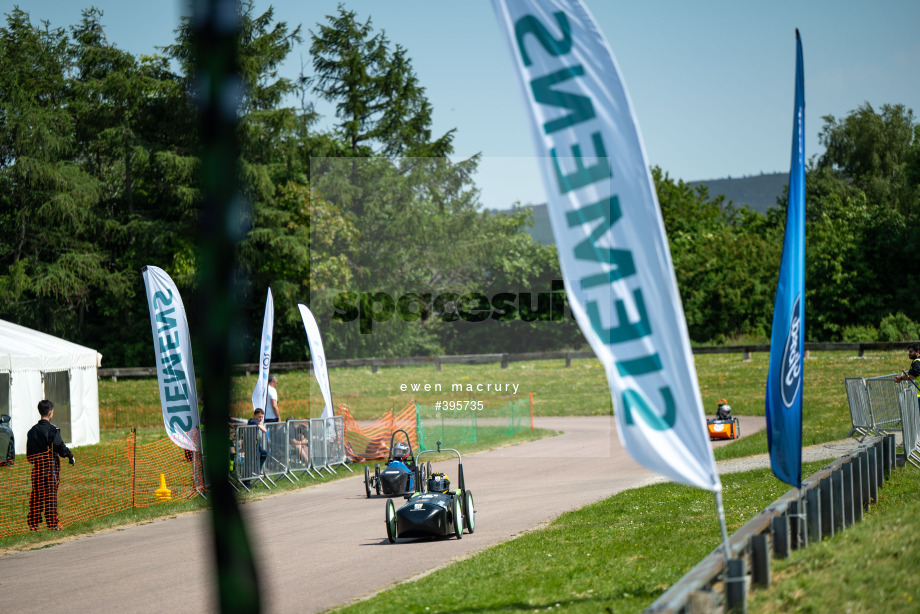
[
  {"x": 372, "y": 442},
  {"x": 41, "y": 492}
]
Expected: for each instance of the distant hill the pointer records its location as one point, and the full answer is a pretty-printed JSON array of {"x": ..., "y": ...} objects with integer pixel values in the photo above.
[{"x": 758, "y": 193}]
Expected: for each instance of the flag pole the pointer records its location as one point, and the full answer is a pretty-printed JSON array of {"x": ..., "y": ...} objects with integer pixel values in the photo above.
[{"x": 721, "y": 511}]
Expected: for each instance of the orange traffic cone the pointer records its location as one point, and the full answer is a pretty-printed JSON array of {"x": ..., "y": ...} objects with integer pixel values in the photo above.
[{"x": 163, "y": 493}]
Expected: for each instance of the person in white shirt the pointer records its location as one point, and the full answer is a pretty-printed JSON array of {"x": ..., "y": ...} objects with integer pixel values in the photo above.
[{"x": 272, "y": 413}]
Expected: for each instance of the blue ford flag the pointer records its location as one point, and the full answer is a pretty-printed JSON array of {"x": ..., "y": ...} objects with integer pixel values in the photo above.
[
  {"x": 614, "y": 254},
  {"x": 784, "y": 381}
]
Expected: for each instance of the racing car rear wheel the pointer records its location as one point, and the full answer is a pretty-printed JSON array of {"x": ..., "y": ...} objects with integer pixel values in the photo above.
[
  {"x": 377, "y": 478},
  {"x": 468, "y": 519},
  {"x": 458, "y": 519},
  {"x": 367, "y": 481},
  {"x": 391, "y": 521}
]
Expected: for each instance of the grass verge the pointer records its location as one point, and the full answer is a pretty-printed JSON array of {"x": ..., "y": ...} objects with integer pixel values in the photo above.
[
  {"x": 620, "y": 554},
  {"x": 877, "y": 560}
]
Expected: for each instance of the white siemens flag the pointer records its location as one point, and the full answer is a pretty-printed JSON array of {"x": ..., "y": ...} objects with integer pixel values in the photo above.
[
  {"x": 173, "y": 351},
  {"x": 260, "y": 393},
  {"x": 608, "y": 228},
  {"x": 317, "y": 357}
]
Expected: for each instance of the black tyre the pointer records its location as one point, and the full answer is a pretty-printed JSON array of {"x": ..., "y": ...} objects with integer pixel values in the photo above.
[
  {"x": 737, "y": 428},
  {"x": 10, "y": 458},
  {"x": 428, "y": 467},
  {"x": 469, "y": 518},
  {"x": 458, "y": 518},
  {"x": 423, "y": 481},
  {"x": 377, "y": 478},
  {"x": 391, "y": 521},
  {"x": 367, "y": 481}
]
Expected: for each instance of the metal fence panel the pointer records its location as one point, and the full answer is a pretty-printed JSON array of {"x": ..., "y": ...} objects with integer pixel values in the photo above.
[
  {"x": 276, "y": 462},
  {"x": 858, "y": 400},
  {"x": 250, "y": 455},
  {"x": 299, "y": 447},
  {"x": 335, "y": 428},
  {"x": 319, "y": 456},
  {"x": 910, "y": 420},
  {"x": 883, "y": 402}
]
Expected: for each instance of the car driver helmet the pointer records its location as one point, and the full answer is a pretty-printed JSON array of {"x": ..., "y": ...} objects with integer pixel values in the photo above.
[
  {"x": 725, "y": 411},
  {"x": 438, "y": 482},
  {"x": 400, "y": 450}
]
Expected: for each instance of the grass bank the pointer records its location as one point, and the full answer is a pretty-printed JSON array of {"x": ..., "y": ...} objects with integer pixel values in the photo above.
[
  {"x": 621, "y": 554},
  {"x": 877, "y": 560}
]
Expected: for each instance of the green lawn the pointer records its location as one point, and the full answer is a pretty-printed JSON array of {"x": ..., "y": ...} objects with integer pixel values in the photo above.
[{"x": 578, "y": 390}]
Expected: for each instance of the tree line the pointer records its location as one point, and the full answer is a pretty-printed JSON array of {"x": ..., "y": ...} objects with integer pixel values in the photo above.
[{"x": 372, "y": 222}]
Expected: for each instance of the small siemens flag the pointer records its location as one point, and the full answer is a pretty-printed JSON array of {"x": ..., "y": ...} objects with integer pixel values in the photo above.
[
  {"x": 317, "y": 357},
  {"x": 172, "y": 350},
  {"x": 260, "y": 392},
  {"x": 614, "y": 254},
  {"x": 784, "y": 381}
]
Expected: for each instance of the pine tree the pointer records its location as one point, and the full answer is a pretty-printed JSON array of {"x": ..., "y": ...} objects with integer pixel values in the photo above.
[{"x": 50, "y": 264}]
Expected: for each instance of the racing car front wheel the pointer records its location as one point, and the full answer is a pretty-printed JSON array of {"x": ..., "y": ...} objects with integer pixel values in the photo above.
[
  {"x": 391, "y": 521},
  {"x": 458, "y": 519},
  {"x": 367, "y": 481},
  {"x": 468, "y": 519},
  {"x": 737, "y": 429},
  {"x": 377, "y": 478}
]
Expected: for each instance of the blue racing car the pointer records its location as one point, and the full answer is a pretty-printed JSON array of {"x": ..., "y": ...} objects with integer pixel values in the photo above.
[{"x": 398, "y": 476}]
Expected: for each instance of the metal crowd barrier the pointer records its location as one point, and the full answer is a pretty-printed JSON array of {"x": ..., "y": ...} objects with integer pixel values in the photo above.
[
  {"x": 276, "y": 463},
  {"x": 874, "y": 404},
  {"x": 337, "y": 444},
  {"x": 910, "y": 421},
  {"x": 860, "y": 412},
  {"x": 883, "y": 399},
  {"x": 304, "y": 446},
  {"x": 830, "y": 500},
  {"x": 249, "y": 445},
  {"x": 319, "y": 455},
  {"x": 299, "y": 448}
]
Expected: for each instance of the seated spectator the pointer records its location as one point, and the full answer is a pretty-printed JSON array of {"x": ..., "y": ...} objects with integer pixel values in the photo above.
[{"x": 300, "y": 444}]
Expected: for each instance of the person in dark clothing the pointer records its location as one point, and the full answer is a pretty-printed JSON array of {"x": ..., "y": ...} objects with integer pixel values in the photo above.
[
  {"x": 913, "y": 352},
  {"x": 258, "y": 418},
  {"x": 44, "y": 450}
]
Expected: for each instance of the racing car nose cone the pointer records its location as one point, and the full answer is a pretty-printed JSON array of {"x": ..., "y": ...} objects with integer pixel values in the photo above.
[{"x": 420, "y": 520}]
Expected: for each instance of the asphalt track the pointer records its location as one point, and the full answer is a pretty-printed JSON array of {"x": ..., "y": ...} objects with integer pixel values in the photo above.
[{"x": 325, "y": 546}]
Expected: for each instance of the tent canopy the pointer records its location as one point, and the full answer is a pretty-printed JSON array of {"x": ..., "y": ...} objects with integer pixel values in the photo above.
[
  {"x": 27, "y": 357},
  {"x": 24, "y": 349}
]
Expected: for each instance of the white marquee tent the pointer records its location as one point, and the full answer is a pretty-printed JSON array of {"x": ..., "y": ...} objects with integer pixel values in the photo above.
[{"x": 36, "y": 366}]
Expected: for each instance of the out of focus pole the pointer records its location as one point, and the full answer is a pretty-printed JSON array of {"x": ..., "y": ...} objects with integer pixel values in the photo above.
[{"x": 217, "y": 88}]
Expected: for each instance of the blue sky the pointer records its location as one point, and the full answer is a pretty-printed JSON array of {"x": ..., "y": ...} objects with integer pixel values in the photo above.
[{"x": 711, "y": 81}]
